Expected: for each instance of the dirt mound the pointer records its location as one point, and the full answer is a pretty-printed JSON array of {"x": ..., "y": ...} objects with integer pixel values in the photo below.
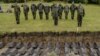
[
  {"x": 53, "y": 36},
  {"x": 54, "y": 40}
]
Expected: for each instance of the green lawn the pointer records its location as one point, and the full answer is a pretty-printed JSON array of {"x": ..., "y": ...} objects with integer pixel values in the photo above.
[{"x": 91, "y": 21}]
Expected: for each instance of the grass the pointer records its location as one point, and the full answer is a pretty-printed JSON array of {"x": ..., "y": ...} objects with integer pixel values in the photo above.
[{"x": 91, "y": 21}]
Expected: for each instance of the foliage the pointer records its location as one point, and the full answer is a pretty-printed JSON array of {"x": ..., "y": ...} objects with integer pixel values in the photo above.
[{"x": 77, "y": 1}]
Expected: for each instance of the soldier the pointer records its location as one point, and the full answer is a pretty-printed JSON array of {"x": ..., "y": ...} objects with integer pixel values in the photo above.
[
  {"x": 0, "y": 8},
  {"x": 25, "y": 10},
  {"x": 60, "y": 10},
  {"x": 55, "y": 14},
  {"x": 41, "y": 8},
  {"x": 52, "y": 6},
  {"x": 80, "y": 14},
  {"x": 66, "y": 11},
  {"x": 17, "y": 12},
  {"x": 47, "y": 10},
  {"x": 1, "y": 11},
  {"x": 34, "y": 9},
  {"x": 72, "y": 9}
]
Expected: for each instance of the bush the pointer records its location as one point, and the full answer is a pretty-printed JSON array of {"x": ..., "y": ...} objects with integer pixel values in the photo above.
[
  {"x": 48, "y": 0},
  {"x": 99, "y": 2},
  {"x": 13, "y": 1},
  {"x": 76, "y": 1}
]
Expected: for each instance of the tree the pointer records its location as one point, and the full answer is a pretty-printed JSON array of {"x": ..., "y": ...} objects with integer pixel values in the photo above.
[
  {"x": 13, "y": 1},
  {"x": 99, "y": 2}
]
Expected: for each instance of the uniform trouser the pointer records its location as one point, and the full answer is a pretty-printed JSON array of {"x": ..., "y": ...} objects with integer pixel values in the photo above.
[
  {"x": 41, "y": 15},
  {"x": 55, "y": 21},
  {"x": 47, "y": 16},
  {"x": 17, "y": 18},
  {"x": 79, "y": 20},
  {"x": 34, "y": 15},
  {"x": 60, "y": 15},
  {"x": 66, "y": 15},
  {"x": 72, "y": 15},
  {"x": 26, "y": 16}
]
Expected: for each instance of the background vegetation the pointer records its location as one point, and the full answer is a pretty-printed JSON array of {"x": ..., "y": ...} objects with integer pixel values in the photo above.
[{"x": 83, "y": 1}]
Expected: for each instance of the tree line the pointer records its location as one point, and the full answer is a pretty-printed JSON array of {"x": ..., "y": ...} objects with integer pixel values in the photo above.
[{"x": 69, "y": 1}]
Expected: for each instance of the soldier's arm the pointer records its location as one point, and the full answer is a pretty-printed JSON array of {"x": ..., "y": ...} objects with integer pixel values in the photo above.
[
  {"x": 43, "y": 6},
  {"x": 49, "y": 8},
  {"x": 19, "y": 10},
  {"x": 36, "y": 7},
  {"x": 28, "y": 8}
]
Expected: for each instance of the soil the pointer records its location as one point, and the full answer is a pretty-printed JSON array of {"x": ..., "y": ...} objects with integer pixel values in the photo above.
[{"x": 52, "y": 37}]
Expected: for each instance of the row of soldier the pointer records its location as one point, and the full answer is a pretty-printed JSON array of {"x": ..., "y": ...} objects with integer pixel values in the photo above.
[{"x": 56, "y": 12}]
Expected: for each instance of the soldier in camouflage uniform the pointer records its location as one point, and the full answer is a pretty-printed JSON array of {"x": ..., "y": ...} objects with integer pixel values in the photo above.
[
  {"x": 47, "y": 10},
  {"x": 60, "y": 10},
  {"x": 80, "y": 14},
  {"x": 34, "y": 9},
  {"x": 72, "y": 10},
  {"x": 25, "y": 10},
  {"x": 1, "y": 11},
  {"x": 55, "y": 14},
  {"x": 66, "y": 11},
  {"x": 41, "y": 8},
  {"x": 17, "y": 12},
  {"x": 52, "y": 6}
]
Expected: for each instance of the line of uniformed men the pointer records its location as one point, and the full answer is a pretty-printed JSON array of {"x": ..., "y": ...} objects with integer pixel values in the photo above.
[{"x": 56, "y": 12}]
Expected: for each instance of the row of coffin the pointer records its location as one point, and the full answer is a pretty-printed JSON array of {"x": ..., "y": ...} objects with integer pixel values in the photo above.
[{"x": 41, "y": 49}]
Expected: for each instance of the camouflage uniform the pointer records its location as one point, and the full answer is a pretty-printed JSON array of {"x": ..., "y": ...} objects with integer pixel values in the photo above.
[
  {"x": 1, "y": 11},
  {"x": 60, "y": 10},
  {"x": 66, "y": 11},
  {"x": 55, "y": 14},
  {"x": 47, "y": 10},
  {"x": 17, "y": 13},
  {"x": 72, "y": 9},
  {"x": 25, "y": 10},
  {"x": 52, "y": 6},
  {"x": 41, "y": 8},
  {"x": 80, "y": 14},
  {"x": 34, "y": 9}
]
